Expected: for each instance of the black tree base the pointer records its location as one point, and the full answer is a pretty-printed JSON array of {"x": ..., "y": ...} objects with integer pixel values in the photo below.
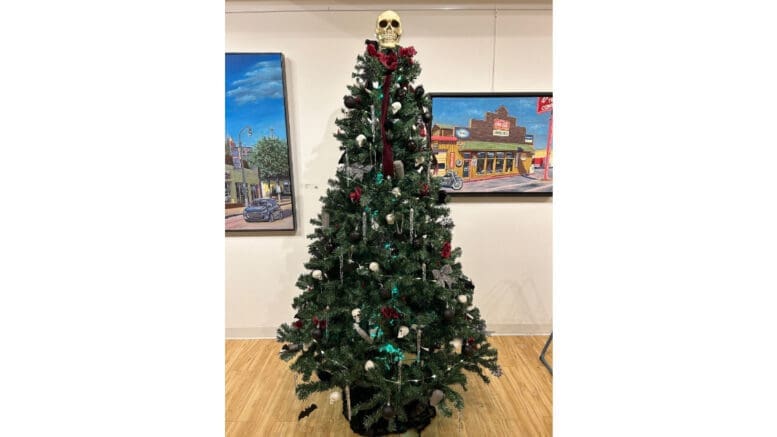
[{"x": 419, "y": 415}]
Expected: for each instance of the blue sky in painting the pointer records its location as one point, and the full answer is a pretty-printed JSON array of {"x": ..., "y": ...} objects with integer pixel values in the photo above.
[
  {"x": 459, "y": 111},
  {"x": 254, "y": 96}
]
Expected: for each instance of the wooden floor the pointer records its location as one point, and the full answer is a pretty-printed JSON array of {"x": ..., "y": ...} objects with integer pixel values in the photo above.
[{"x": 260, "y": 399}]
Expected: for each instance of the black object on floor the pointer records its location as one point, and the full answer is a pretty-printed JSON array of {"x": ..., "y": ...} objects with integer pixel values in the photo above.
[
  {"x": 306, "y": 412},
  {"x": 545, "y": 349}
]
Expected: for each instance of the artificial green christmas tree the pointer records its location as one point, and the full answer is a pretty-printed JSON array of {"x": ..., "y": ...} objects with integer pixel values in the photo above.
[{"x": 385, "y": 320}]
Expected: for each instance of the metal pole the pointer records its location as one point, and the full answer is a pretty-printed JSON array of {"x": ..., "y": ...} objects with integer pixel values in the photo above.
[
  {"x": 246, "y": 197},
  {"x": 547, "y": 147},
  {"x": 542, "y": 355}
]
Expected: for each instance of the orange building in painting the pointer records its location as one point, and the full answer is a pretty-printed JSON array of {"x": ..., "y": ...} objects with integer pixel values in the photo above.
[{"x": 489, "y": 148}]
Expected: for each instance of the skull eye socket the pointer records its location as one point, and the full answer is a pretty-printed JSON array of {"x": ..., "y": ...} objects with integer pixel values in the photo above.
[
  {"x": 394, "y": 23},
  {"x": 383, "y": 23}
]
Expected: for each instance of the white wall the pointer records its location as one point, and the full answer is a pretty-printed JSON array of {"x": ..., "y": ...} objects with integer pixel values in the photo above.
[{"x": 478, "y": 47}]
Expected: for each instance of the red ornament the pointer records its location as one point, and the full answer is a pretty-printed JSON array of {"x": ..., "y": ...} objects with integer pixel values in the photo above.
[
  {"x": 389, "y": 313},
  {"x": 320, "y": 324},
  {"x": 356, "y": 194},
  {"x": 425, "y": 190},
  {"x": 446, "y": 250},
  {"x": 297, "y": 324}
]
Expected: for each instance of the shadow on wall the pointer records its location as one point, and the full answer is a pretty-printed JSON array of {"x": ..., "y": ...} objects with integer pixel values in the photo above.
[{"x": 515, "y": 307}]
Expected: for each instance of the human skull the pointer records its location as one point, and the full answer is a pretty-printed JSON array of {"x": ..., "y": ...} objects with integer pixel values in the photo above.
[
  {"x": 403, "y": 331},
  {"x": 388, "y": 29},
  {"x": 356, "y": 313}
]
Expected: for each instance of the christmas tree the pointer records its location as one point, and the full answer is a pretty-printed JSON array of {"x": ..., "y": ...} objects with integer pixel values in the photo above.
[{"x": 385, "y": 319}]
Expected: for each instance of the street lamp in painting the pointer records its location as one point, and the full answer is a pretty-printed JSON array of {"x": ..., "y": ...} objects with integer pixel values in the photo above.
[
  {"x": 545, "y": 104},
  {"x": 246, "y": 198}
]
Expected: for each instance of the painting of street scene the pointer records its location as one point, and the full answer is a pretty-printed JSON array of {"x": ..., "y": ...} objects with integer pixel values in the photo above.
[
  {"x": 495, "y": 143},
  {"x": 258, "y": 193}
]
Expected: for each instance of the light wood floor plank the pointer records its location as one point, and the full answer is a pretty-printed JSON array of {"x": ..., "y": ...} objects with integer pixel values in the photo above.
[{"x": 260, "y": 399}]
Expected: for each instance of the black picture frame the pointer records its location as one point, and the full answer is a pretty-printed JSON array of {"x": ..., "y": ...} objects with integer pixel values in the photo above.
[
  {"x": 497, "y": 153},
  {"x": 256, "y": 109}
]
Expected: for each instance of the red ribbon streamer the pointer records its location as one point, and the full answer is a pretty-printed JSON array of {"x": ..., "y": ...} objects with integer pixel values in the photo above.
[
  {"x": 390, "y": 61},
  {"x": 388, "y": 152}
]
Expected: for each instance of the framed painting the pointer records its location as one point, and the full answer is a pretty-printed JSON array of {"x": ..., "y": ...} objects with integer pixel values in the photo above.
[
  {"x": 493, "y": 143},
  {"x": 258, "y": 190}
]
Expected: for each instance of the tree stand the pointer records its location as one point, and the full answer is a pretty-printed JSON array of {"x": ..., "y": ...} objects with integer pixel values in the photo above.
[{"x": 419, "y": 415}]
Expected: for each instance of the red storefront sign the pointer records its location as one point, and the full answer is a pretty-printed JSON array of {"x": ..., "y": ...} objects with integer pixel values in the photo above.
[
  {"x": 500, "y": 124},
  {"x": 544, "y": 104}
]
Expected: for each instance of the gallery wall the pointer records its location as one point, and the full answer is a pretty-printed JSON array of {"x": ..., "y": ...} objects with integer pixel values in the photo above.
[{"x": 462, "y": 47}]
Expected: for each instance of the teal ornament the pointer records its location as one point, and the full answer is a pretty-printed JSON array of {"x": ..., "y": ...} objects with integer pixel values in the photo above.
[
  {"x": 379, "y": 178},
  {"x": 375, "y": 333},
  {"x": 394, "y": 291},
  {"x": 389, "y": 249},
  {"x": 391, "y": 350}
]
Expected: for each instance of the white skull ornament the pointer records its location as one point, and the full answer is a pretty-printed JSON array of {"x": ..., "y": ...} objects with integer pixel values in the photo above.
[
  {"x": 356, "y": 313},
  {"x": 388, "y": 29}
]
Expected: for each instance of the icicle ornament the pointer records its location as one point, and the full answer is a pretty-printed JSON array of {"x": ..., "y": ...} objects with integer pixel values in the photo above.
[
  {"x": 364, "y": 226},
  {"x": 412, "y": 221},
  {"x": 373, "y": 120},
  {"x": 418, "y": 346}
]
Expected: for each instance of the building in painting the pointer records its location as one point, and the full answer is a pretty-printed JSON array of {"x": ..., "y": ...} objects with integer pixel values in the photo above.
[
  {"x": 239, "y": 191},
  {"x": 493, "y": 147}
]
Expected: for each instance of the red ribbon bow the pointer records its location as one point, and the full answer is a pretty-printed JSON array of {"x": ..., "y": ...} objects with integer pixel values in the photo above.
[
  {"x": 356, "y": 194},
  {"x": 446, "y": 250}
]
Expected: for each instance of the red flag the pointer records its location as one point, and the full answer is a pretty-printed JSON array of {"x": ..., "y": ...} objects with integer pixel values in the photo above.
[{"x": 544, "y": 104}]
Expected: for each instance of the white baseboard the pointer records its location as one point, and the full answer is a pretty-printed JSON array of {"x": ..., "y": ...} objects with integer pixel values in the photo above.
[
  {"x": 496, "y": 329},
  {"x": 253, "y": 332}
]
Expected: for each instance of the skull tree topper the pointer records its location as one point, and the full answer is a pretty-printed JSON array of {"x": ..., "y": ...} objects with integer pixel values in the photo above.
[{"x": 388, "y": 29}]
